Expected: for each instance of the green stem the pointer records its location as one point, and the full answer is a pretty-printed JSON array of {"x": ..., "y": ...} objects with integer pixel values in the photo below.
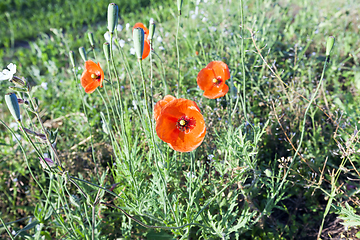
[
  {"x": 178, "y": 57},
  {"x": 6, "y": 228}
]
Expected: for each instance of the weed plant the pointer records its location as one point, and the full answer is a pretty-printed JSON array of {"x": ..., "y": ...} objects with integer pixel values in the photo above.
[{"x": 83, "y": 145}]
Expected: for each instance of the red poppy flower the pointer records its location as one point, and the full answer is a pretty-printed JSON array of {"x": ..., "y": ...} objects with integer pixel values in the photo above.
[
  {"x": 146, "y": 41},
  {"x": 92, "y": 77},
  {"x": 212, "y": 79},
  {"x": 179, "y": 123}
]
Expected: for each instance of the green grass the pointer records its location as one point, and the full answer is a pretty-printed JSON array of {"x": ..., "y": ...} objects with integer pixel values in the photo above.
[{"x": 245, "y": 185}]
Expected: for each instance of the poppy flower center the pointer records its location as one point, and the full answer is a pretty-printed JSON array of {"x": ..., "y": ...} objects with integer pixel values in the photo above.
[
  {"x": 185, "y": 123},
  {"x": 95, "y": 76},
  {"x": 217, "y": 81}
]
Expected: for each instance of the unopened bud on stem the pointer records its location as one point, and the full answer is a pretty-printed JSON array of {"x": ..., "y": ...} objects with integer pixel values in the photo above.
[
  {"x": 151, "y": 30},
  {"x": 13, "y": 105},
  {"x": 72, "y": 58},
  {"x": 106, "y": 48},
  {"x": 113, "y": 10},
  {"x": 329, "y": 45},
  {"x": 82, "y": 53},
  {"x": 138, "y": 37},
  {"x": 91, "y": 39}
]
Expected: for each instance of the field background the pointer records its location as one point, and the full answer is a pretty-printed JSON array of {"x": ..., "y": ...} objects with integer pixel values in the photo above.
[{"x": 323, "y": 185}]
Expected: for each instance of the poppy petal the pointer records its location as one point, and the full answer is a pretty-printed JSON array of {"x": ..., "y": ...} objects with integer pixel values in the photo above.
[
  {"x": 101, "y": 75},
  {"x": 92, "y": 67},
  {"x": 140, "y": 25},
  {"x": 216, "y": 92},
  {"x": 160, "y": 105},
  {"x": 166, "y": 128},
  {"x": 146, "y": 49},
  {"x": 90, "y": 88},
  {"x": 221, "y": 69},
  {"x": 204, "y": 78}
]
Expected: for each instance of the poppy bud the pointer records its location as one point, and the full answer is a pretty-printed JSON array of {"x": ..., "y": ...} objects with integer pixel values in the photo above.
[
  {"x": 113, "y": 10},
  {"x": 106, "y": 47},
  {"x": 91, "y": 39},
  {"x": 18, "y": 82},
  {"x": 82, "y": 53},
  {"x": 18, "y": 89},
  {"x": 13, "y": 105},
  {"x": 138, "y": 36},
  {"x": 151, "y": 30},
  {"x": 179, "y": 4},
  {"x": 329, "y": 45},
  {"x": 72, "y": 58}
]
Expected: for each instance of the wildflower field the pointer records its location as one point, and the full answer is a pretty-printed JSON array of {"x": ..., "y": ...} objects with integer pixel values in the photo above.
[{"x": 194, "y": 119}]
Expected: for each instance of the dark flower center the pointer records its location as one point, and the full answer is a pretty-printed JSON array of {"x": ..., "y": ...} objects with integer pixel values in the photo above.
[
  {"x": 95, "y": 76},
  {"x": 217, "y": 81},
  {"x": 185, "y": 123}
]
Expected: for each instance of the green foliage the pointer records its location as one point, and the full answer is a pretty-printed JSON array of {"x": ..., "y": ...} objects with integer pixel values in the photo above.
[{"x": 244, "y": 182}]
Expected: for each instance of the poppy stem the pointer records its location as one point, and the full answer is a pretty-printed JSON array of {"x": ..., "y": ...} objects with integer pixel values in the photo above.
[
  {"x": 178, "y": 57},
  {"x": 242, "y": 61}
]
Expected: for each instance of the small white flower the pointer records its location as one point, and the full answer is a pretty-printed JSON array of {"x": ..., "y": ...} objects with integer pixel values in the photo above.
[
  {"x": 122, "y": 43},
  {"x": 107, "y": 38},
  {"x": 44, "y": 85},
  {"x": 132, "y": 51},
  {"x": 7, "y": 74},
  {"x": 17, "y": 136},
  {"x": 119, "y": 27},
  {"x": 159, "y": 39},
  {"x": 204, "y": 19},
  {"x": 14, "y": 126},
  {"x": 161, "y": 48},
  {"x": 127, "y": 26}
]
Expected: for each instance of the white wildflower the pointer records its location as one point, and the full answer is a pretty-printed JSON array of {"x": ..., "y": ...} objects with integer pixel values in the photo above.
[{"x": 7, "y": 74}]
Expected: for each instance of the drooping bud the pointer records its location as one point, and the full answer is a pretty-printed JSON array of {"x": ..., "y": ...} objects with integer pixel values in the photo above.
[
  {"x": 82, "y": 52},
  {"x": 112, "y": 16},
  {"x": 48, "y": 161},
  {"x": 138, "y": 37},
  {"x": 38, "y": 135},
  {"x": 151, "y": 29},
  {"x": 72, "y": 58},
  {"x": 13, "y": 105},
  {"x": 179, "y": 5},
  {"x": 329, "y": 45},
  {"x": 18, "y": 82},
  {"x": 91, "y": 39},
  {"x": 106, "y": 48}
]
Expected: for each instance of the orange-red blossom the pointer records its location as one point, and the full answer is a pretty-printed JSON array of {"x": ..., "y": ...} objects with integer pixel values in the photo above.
[
  {"x": 212, "y": 79},
  {"x": 179, "y": 123},
  {"x": 92, "y": 77}
]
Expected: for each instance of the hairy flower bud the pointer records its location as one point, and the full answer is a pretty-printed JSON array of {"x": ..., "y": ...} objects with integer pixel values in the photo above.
[
  {"x": 138, "y": 36},
  {"x": 112, "y": 16},
  {"x": 13, "y": 105},
  {"x": 82, "y": 53}
]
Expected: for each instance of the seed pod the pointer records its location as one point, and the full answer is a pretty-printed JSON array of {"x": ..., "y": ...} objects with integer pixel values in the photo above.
[
  {"x": 106, "y": 48},
  {"x": 138, "y": 37},
  {"x": 13, "y": 105},
  {"x": 112, "y": 16},
  {"x": 151, "y": 30}
]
